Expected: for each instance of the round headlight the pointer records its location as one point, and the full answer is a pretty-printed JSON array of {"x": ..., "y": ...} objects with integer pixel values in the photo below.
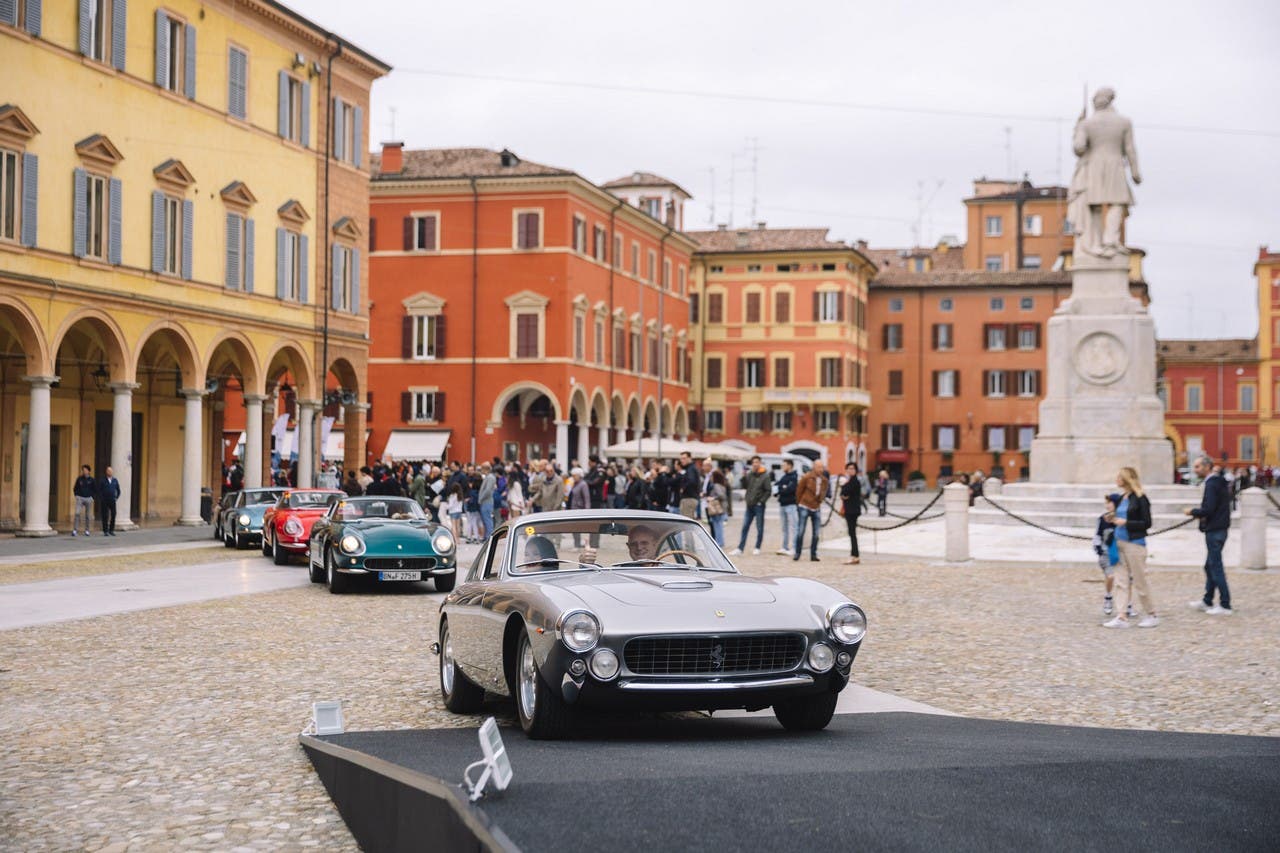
[
  {"x": 443, "y": 543},
  {"x": 604, "y": 664},
  {"x": 579, "y": 630},
  {"x": 848, "y": 623},
  {"x": 293, "y": 527},
  {"x": 351, "y": 544},
  {"x": 821, "y": 657},
  {"x": 244, "y": 519}
]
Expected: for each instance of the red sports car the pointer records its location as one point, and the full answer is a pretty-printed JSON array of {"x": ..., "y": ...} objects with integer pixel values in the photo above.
[{"x": 286, "y": 527}]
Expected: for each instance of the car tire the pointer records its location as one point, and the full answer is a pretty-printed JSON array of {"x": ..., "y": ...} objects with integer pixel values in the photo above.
[
  {"x": 227, "y": 541},
  {"x": 444, "y": 583},
  {"x": 543, "y": 714},
  {"x": 279, "y": 556},
  {"x": 317, "y": 574},
  {"x": 461, "y": 694},
  {"x": 806, "y": 713},
  {"x": 338, "y": 582},
  {"x": 266, "y": 545}
]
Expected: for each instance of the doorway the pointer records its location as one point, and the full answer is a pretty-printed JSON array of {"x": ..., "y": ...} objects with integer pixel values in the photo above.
[{"x": 103, "y": 431}]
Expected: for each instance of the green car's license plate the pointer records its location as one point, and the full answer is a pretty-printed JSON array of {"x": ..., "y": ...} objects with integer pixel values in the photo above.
[{"x": 399, "y": 576}]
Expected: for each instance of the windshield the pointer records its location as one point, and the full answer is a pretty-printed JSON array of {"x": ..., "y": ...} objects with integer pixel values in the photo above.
[
  {"x": 266, "y": 496},
  {"x": 574, "y": 544},
  {"x": 310, "y": 500},
  {"x": 396, "y": 509}
]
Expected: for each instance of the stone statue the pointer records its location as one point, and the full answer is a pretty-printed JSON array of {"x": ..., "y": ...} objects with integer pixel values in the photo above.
[{"x": 1103, "y": 142}]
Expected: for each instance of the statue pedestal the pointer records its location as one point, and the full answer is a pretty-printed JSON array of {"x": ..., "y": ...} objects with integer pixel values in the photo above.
[{"x": 1100, "y": 411}]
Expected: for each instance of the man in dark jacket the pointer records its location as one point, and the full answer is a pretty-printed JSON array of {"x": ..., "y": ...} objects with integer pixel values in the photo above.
[
  {"x": 108, "y": 494},
  {"x": 787, "y": 504},
  {"x": 597, "y": 483},
  {"x": 1214, "y": 513},
  {"x": 86, "y": 492},
  {"x": 758, "y": 484},
  {"x": 690, "y": 483}
]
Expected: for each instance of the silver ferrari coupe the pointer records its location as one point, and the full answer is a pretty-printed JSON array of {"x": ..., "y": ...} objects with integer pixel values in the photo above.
[{"x": 638, "y": 610}]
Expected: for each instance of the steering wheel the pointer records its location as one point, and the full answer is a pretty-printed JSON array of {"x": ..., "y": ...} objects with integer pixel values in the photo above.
[{"x": 696, "y": 559}]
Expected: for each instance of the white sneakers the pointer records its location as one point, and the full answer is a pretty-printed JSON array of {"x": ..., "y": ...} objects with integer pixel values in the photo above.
[
  {"x": 783, "y": 551},
  {"x": 736, "y": 551},
  {"x": 755, "y": 552},
  {"x": 1218, "y": 610},
  {"x": 1197, "y": 605},
  {"x": 1149, "y": 621},
  {"x": 1117, "y": 622}
]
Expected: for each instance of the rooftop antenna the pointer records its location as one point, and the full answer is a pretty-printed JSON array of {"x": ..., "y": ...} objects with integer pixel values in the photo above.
[
  {"x": 733, "y": 176},
  {"x": 711, "y": 219},
  {"x": 754, "y": 143},
  {"x": 922, "y": 207},
  {"x": 1008, "y": 151}
]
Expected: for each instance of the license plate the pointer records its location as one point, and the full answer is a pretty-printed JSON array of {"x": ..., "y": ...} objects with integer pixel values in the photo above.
[{"x": 399, "y": 576}]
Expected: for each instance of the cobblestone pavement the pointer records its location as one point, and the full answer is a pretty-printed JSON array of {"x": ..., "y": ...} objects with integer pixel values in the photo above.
[
  {"x": 176, "y": 728},
  {"x": 115, "y": 564}
]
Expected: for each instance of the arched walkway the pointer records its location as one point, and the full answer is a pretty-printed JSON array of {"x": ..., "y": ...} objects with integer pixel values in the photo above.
[
  {"x": 26, "y": 370},
  {"x": 168, "y": 363}
]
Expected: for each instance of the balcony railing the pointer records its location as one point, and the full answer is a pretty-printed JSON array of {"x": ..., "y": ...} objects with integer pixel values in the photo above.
[{"x": 819, "y": 396}]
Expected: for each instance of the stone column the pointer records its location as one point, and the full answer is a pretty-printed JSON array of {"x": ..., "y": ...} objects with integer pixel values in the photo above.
[
  {"x": 1253, "y": 528},
  {"x": 584, "y": 443},
  {"x": 993, "y": 486},
  {"x": 122, "y": 450},
  {"x": 562, "y": 446},
  {"x": 192, "y": 446},
  {"x": 305, "y": 442},
  {"x": 252, "y": 461},
  {"x": 604, "y": 441},
  {"x": 622, "y": 437},
  {"x": 955, "y": 501},
  {"x": 38, "y": 426}
]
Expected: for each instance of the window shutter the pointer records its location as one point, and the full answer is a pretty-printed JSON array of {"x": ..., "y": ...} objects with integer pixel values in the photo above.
[
  {"x": 282, "y": 249},
  {"x": 935, "y": 386},
  {"x": 162, "y": 47},
  {"x": 884, "y": 435},
  {"x": 355, "y": 281},
  {"x": 235, "y": 84},
  {"x": 233, "y": 251},
  {"x": 1011, "y": 336},
  {"x": 934, "y": 335},
  {"x": 335, "y": 277},
  {"x": 80, "y": 213},
  {"x": 1037, "y": 336},
  {"x": 839, "y": 373},
  {"x": 986, "y": 383},
  {"x": 86, "y": 30},
  {"x": 1037, "y": 383},
  {"x": 304, "y": 264},
  {"x": 305, "y": 136},
  {"x": 157, "y": 231},
  {"x": 248, "y": 256},
  {"x": 956, "y": 380},
  {"x": 430, "y": 239},
  {"x": 357, "y": 137},
  {"x": 119, "y": 43},
  {"x": 188, "y": 236},
  {"x": 406, "y": 336},
  {"x": 282, "y": 107},
  {"x": 742, "y": 373},
  {"x": 440, "y": 336},
  {"x": 30, "y": 185},
  {"x": 986, "y": 340},
  {"x": 817, "y": 299},
  {"x": 189, "y": 73},
  {"x": 840, "y": 315},
  {"x": 408, "y": 233},
  {"x": 934, "y": 429},
  {"x": 406, "y": 406},
  {"x": 9, "y": 12},
  {"x": 439, "y": 405},
  {"x": 884, "y": 337},
  {"x": 34, "y": 17},
  {"x": 1010, "y": 383},
  {"x": 338, "y": 137}
]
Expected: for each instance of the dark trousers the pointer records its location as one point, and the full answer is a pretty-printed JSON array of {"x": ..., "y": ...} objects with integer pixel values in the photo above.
[
  {"x": 755, "y": 513},
  {"x": 108, "y": 512},
  {"x": 881, "y": 501},
  {"x": 807, "y": 515},
  {"x": 1215, "y": 576},
  {"x": 852, "y": 522}
]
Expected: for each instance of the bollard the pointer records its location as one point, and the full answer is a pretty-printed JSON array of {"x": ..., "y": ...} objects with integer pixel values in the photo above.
[
  {"x": 955, "y": 501},
  {"x": 993, "y": 486},
  {"x": 1253, "y": 529}
]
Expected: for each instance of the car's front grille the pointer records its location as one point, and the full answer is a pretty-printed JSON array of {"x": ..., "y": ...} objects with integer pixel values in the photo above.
[
  {"x": 385, "y": 564},
  {"x": 736, "y": 654}
]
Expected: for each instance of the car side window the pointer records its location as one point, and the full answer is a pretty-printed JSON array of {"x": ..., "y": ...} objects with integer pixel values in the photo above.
[
  {"x": 497, "y": 557},
  {"x": 477, "y": 566}
]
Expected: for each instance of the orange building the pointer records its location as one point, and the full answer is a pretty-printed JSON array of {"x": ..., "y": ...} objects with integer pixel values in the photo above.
[
  {"x": 1210, "y": 393},
  {"x": 1014, "y": 225},
  {"x": 780, "y": 319},
  {"x": 521, "y": 311}
]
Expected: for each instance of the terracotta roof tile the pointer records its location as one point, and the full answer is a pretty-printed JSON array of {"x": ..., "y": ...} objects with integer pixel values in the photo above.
[
  {"x": 901, "y": 259},
  {"x": 969, "y": 278},
  {"x": 764, "y": 240},
  {"x": 445, "y": 163},
  {"x": 642, "y": 179},
  {"x": 1209, "y": 349}
]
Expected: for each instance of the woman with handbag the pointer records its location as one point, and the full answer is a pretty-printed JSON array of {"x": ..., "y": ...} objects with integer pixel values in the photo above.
[
  {"x": 1132, "y": 518},
  {"x": 716, "y": 504}
]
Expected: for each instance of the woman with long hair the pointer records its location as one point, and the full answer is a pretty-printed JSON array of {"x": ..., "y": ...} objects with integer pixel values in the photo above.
[
  {"x": 1132, "y": 518},
  {"x": 717, "y": 498}
]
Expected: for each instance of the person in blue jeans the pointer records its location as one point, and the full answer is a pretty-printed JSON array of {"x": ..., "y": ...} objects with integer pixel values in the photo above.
[
  {"x": 810, "y": 493},
  {"x": 758, "y": 485},
  {"x": 1214, "y": 513}
]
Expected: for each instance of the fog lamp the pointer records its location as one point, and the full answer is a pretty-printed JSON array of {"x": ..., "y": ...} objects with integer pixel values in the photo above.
[
  {"x": 604, "y": 664},
  {"x": 821, "y": 657}
]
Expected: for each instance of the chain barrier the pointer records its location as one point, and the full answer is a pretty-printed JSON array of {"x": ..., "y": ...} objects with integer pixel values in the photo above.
[
  {"x": 919, "y": 516},
  {"x": 1031, "y": 523},
  {"x": 1273, "y": 500}
]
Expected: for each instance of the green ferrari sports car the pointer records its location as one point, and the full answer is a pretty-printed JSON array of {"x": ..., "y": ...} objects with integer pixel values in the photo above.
[{"x": 382, "y": 538}]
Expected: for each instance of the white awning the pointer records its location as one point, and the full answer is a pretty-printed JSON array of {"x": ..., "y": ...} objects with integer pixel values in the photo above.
[
  {"x": 672, "y": 448},
  {"x": 416, "y": 445},
  {"x": 335, "y": 449},
  {"x": 285, "y": 446}
]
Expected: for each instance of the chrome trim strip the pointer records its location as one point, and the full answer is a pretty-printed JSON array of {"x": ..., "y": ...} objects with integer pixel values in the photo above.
[{"x": 701, "y": 686}]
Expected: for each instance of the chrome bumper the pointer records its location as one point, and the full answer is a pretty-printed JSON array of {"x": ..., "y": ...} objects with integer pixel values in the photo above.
[{"x": 712, "y": 686}]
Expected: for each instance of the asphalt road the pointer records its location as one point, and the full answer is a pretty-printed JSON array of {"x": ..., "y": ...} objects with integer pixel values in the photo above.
[{"x": 893, "y": 781}]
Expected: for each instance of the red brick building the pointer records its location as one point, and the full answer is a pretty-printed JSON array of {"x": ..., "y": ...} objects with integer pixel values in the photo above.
[
  {"x": 521, "y": 311},
  {"x": 1211, "y": 394}
]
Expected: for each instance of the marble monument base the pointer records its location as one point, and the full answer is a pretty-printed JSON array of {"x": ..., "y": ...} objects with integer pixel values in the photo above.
[{"x": 1091, "y": 460}]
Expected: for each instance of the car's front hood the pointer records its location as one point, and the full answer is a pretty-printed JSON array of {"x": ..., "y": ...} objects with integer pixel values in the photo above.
[
  {"x": 255, "y": 513},
  {"x": 382, "y": 532}
]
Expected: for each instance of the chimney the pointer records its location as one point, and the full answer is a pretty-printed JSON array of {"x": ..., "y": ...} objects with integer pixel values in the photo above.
[
  {"x": 861, "y": 245},
  {"x": 744, "y": 239},
  {"x": 722, "y": 226},
  {"x": 761, "y": 224},
  {"x": 671, "y": 214},
  {"x": 392, "y": 158}
]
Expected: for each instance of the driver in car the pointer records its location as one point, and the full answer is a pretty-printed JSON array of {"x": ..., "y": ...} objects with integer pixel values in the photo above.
[{"x": 642, "y": 543}]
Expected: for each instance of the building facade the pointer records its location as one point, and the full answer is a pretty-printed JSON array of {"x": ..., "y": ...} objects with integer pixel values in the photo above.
[
  {"x": 1211, "y": 390},
  {"x": 1014, "y": 225},
  {"x": 1267, "y": 273},
  {"x": 780, "y": 324},
  {"x": 168, "y": 244},
  {"x": 522, "y": 312}
]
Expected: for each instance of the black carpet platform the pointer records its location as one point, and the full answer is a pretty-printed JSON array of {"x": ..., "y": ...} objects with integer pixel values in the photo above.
[{"x": 869, "y": 782}]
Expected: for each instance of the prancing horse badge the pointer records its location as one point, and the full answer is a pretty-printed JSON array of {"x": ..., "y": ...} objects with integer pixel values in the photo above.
[{"x": 720, "y": 613}]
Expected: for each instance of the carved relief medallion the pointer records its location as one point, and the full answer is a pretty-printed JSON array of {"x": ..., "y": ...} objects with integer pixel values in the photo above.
[{"x": 1101, "y": 358}]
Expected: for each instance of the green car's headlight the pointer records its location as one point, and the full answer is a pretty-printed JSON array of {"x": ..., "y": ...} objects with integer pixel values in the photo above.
[
  {"x": 443, "y": 542},
  {"x": 244, "y": 519},
  {"x": 351, "y": 544}
]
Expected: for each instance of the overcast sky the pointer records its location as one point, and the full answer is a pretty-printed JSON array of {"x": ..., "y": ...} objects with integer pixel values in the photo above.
[{"x": 916, "y": 98}]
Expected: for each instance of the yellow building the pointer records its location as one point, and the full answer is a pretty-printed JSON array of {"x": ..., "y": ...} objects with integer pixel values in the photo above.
[
  {"x": 1267, "y": 270},
  {"x": 169, "y": 234}
]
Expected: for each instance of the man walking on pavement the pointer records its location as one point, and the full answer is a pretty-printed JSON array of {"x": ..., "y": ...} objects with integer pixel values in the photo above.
[
  {"x": 108, "y": 494},
  {"x": 810, "y": 493},
  {"x": 689, "y": 483},
  {"x": 1214, "y": 513},
  {"x": 758, "y": 484},
  {"x": 85, "y": 490},
  {"x": 787, "y": 504}
]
